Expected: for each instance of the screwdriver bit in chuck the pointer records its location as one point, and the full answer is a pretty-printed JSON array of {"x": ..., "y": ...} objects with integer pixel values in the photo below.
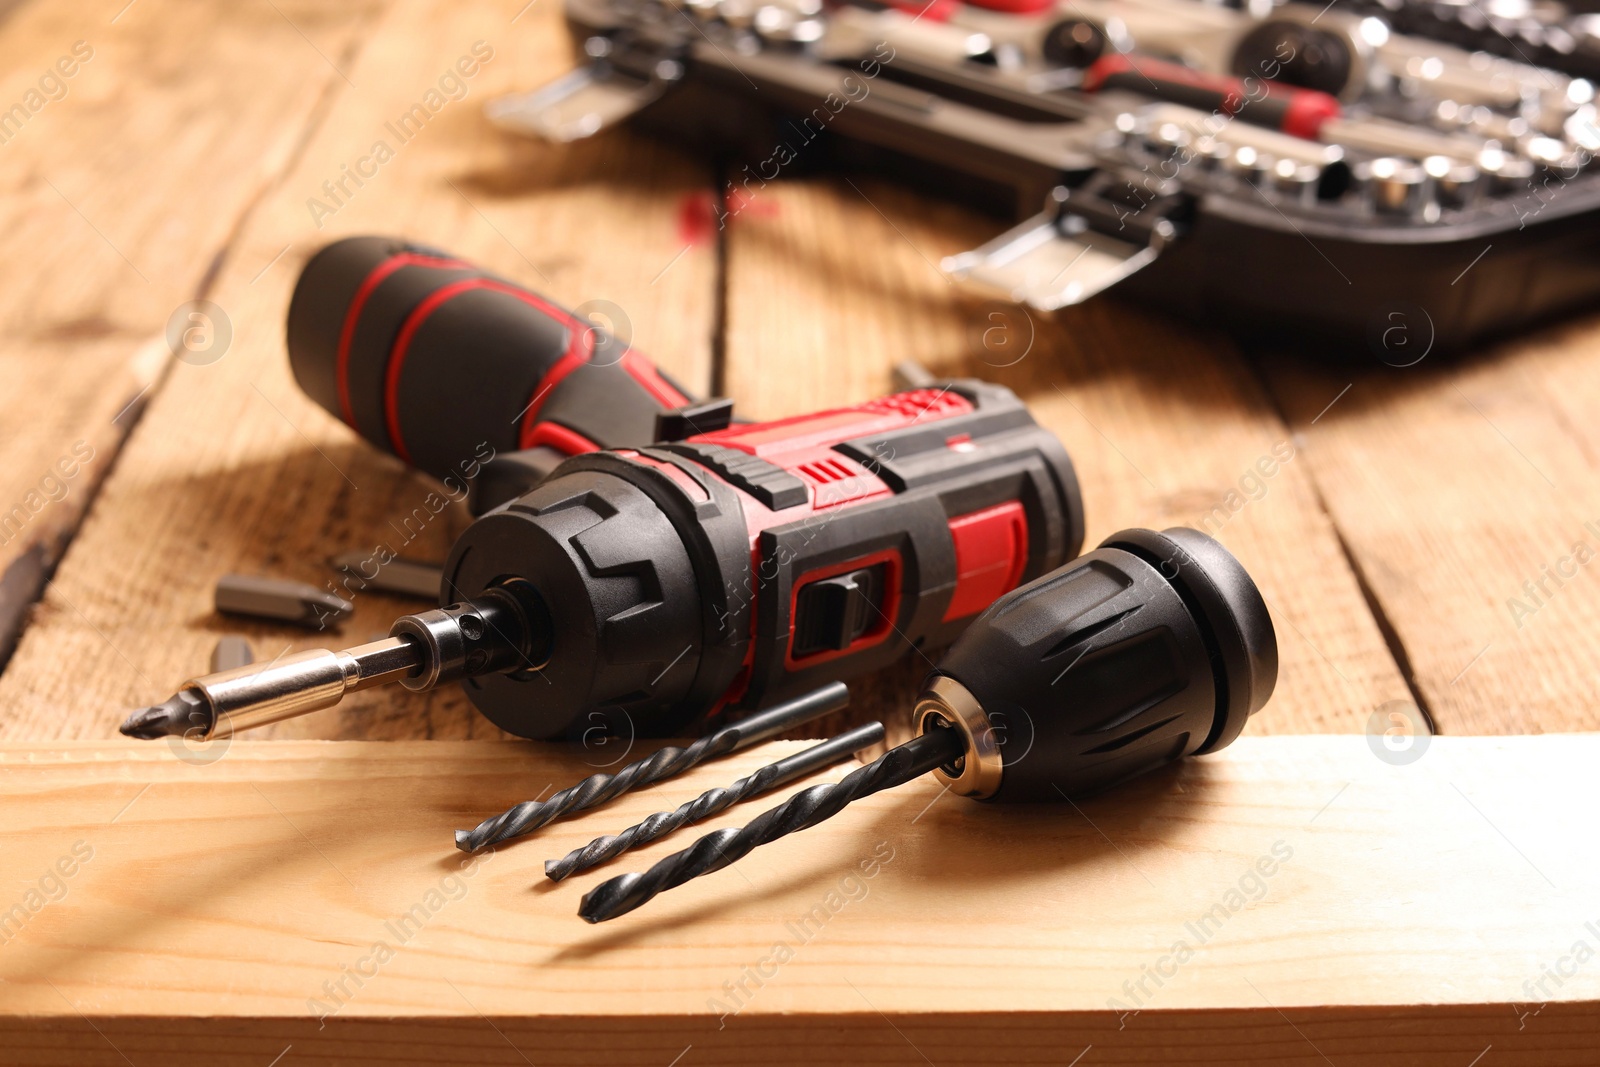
[{"x": 423, "y": 650}]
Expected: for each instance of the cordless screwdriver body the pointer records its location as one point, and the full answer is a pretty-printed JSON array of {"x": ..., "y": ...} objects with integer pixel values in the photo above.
[{"x": 649, "y": 588}]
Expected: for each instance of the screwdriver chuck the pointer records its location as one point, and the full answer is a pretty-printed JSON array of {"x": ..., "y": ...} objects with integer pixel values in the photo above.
[
  {"x": 611, "y": 573},
  {"x": 1152, "y": 647}
]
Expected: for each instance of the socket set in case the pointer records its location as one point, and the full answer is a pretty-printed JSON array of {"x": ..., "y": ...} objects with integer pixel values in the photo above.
[{"x": 1307, "y": 176}]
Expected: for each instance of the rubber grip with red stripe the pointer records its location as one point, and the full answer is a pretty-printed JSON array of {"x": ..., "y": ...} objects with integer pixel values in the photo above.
[{"x": 442, "y": 364}]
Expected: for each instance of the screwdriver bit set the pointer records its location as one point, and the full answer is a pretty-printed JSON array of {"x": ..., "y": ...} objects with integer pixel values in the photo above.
[
  {"x": 642, "y": 562},
  {"x": 1293, "y": 172}
]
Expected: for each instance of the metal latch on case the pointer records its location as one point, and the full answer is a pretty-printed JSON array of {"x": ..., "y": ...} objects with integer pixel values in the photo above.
[
  {"x": 1086, "y": 240},
  {"x": 619, "y": 80}
]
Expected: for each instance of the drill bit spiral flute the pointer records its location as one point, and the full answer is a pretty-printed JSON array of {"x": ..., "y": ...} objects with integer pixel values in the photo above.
[{"x": 1152, "y": 647}]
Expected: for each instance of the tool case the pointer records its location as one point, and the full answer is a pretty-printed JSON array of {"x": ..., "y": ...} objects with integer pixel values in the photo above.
[{"x": 1303, "y": 177}]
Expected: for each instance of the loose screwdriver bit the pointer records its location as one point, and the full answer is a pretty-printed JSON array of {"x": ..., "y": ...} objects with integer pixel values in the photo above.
[
  {"x": 231, "y": 651},
  {"x": 712, "y": 801},
  {"x": 404, "y": 577},
  {"x": 718, "y": 849},
  {"x": 598, "y": 789},
  {"x": 280, "y": 600}
]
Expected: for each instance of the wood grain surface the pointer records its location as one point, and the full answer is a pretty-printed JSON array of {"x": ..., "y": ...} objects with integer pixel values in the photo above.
[
  {"x": 1469, "y": 496},
  {"x": 119, "y": 198},
  {"x": 1392, "y": 537},
  {"x": 233, "y": 470},
  {"x": 1292, "y": 900}
]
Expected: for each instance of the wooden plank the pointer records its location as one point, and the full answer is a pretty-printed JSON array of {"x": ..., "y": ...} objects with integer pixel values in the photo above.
[
  {"x": 1166, "y": 425},
  {"x": 233, "y": 470},
  {"x": 1467, "y": 492},
  {"x": 119, "y": 191},
  {"x": 1330, "y": 907}
]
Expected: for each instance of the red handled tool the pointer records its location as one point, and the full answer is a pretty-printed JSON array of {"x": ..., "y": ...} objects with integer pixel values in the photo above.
[{"x": 1298, "y": 112}]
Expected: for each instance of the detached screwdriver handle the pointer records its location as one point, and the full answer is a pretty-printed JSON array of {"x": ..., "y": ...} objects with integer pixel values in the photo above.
[
  {"x": 1152, "y": 647},
  {"x": 1291, "y": 110},
  {"x": 446, "y": 365}
]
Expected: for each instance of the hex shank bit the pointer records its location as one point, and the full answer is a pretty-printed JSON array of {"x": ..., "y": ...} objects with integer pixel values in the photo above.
[
  {"x": 600, "y": 789},
  {"x": 712, "y": 801},
  {"x": 806, "y": 808}
]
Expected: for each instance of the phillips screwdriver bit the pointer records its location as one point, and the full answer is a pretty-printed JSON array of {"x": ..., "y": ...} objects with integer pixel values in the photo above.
[
  {"x": 280, "y": 600},
  {"x": 491, "y": 633},
  {"x": 598, "y": 789},
  {"x": 713, "y": 801},
  {"x": 1153, "y": 647}
]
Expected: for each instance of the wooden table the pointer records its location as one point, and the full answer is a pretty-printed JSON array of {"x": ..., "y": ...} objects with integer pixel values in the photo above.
[{"x": 1426, "y": 543}]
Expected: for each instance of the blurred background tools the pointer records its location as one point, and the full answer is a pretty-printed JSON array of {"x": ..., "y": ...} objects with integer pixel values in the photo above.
[
  {"x": 1283, "y": 170},
  {"x": 598, "y": 789},
  {"x": 1152, "y": 647},
  {"x": 653, "y": 590},
  {"x": 717, "y": 800}
]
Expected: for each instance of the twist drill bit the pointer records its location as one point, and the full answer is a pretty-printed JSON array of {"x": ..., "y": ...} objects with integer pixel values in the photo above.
[
  {"x": 712, "y": 801},
  {"x": 805, "y": 809},
  {"x": 597, "y": 789},
  {"x": 998, "y": 719}
]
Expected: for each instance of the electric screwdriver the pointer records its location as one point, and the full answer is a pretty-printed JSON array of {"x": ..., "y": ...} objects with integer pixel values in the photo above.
[{"x": 672, "y": 583}]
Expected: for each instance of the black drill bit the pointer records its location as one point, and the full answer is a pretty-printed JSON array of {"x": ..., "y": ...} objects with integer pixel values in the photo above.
[
  {"x": 712, "y": 801},
  {"x": 599, "y": 789},
  {"x": 806, "y": 808}
]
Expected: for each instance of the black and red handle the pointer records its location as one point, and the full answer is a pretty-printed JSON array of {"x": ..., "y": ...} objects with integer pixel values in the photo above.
[
  {"x": 1298, "y": 112},
  {"x": 441, "y": 363}
]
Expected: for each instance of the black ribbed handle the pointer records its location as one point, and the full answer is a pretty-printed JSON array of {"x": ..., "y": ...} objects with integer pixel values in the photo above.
[{"x": 443, "y": 364}]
